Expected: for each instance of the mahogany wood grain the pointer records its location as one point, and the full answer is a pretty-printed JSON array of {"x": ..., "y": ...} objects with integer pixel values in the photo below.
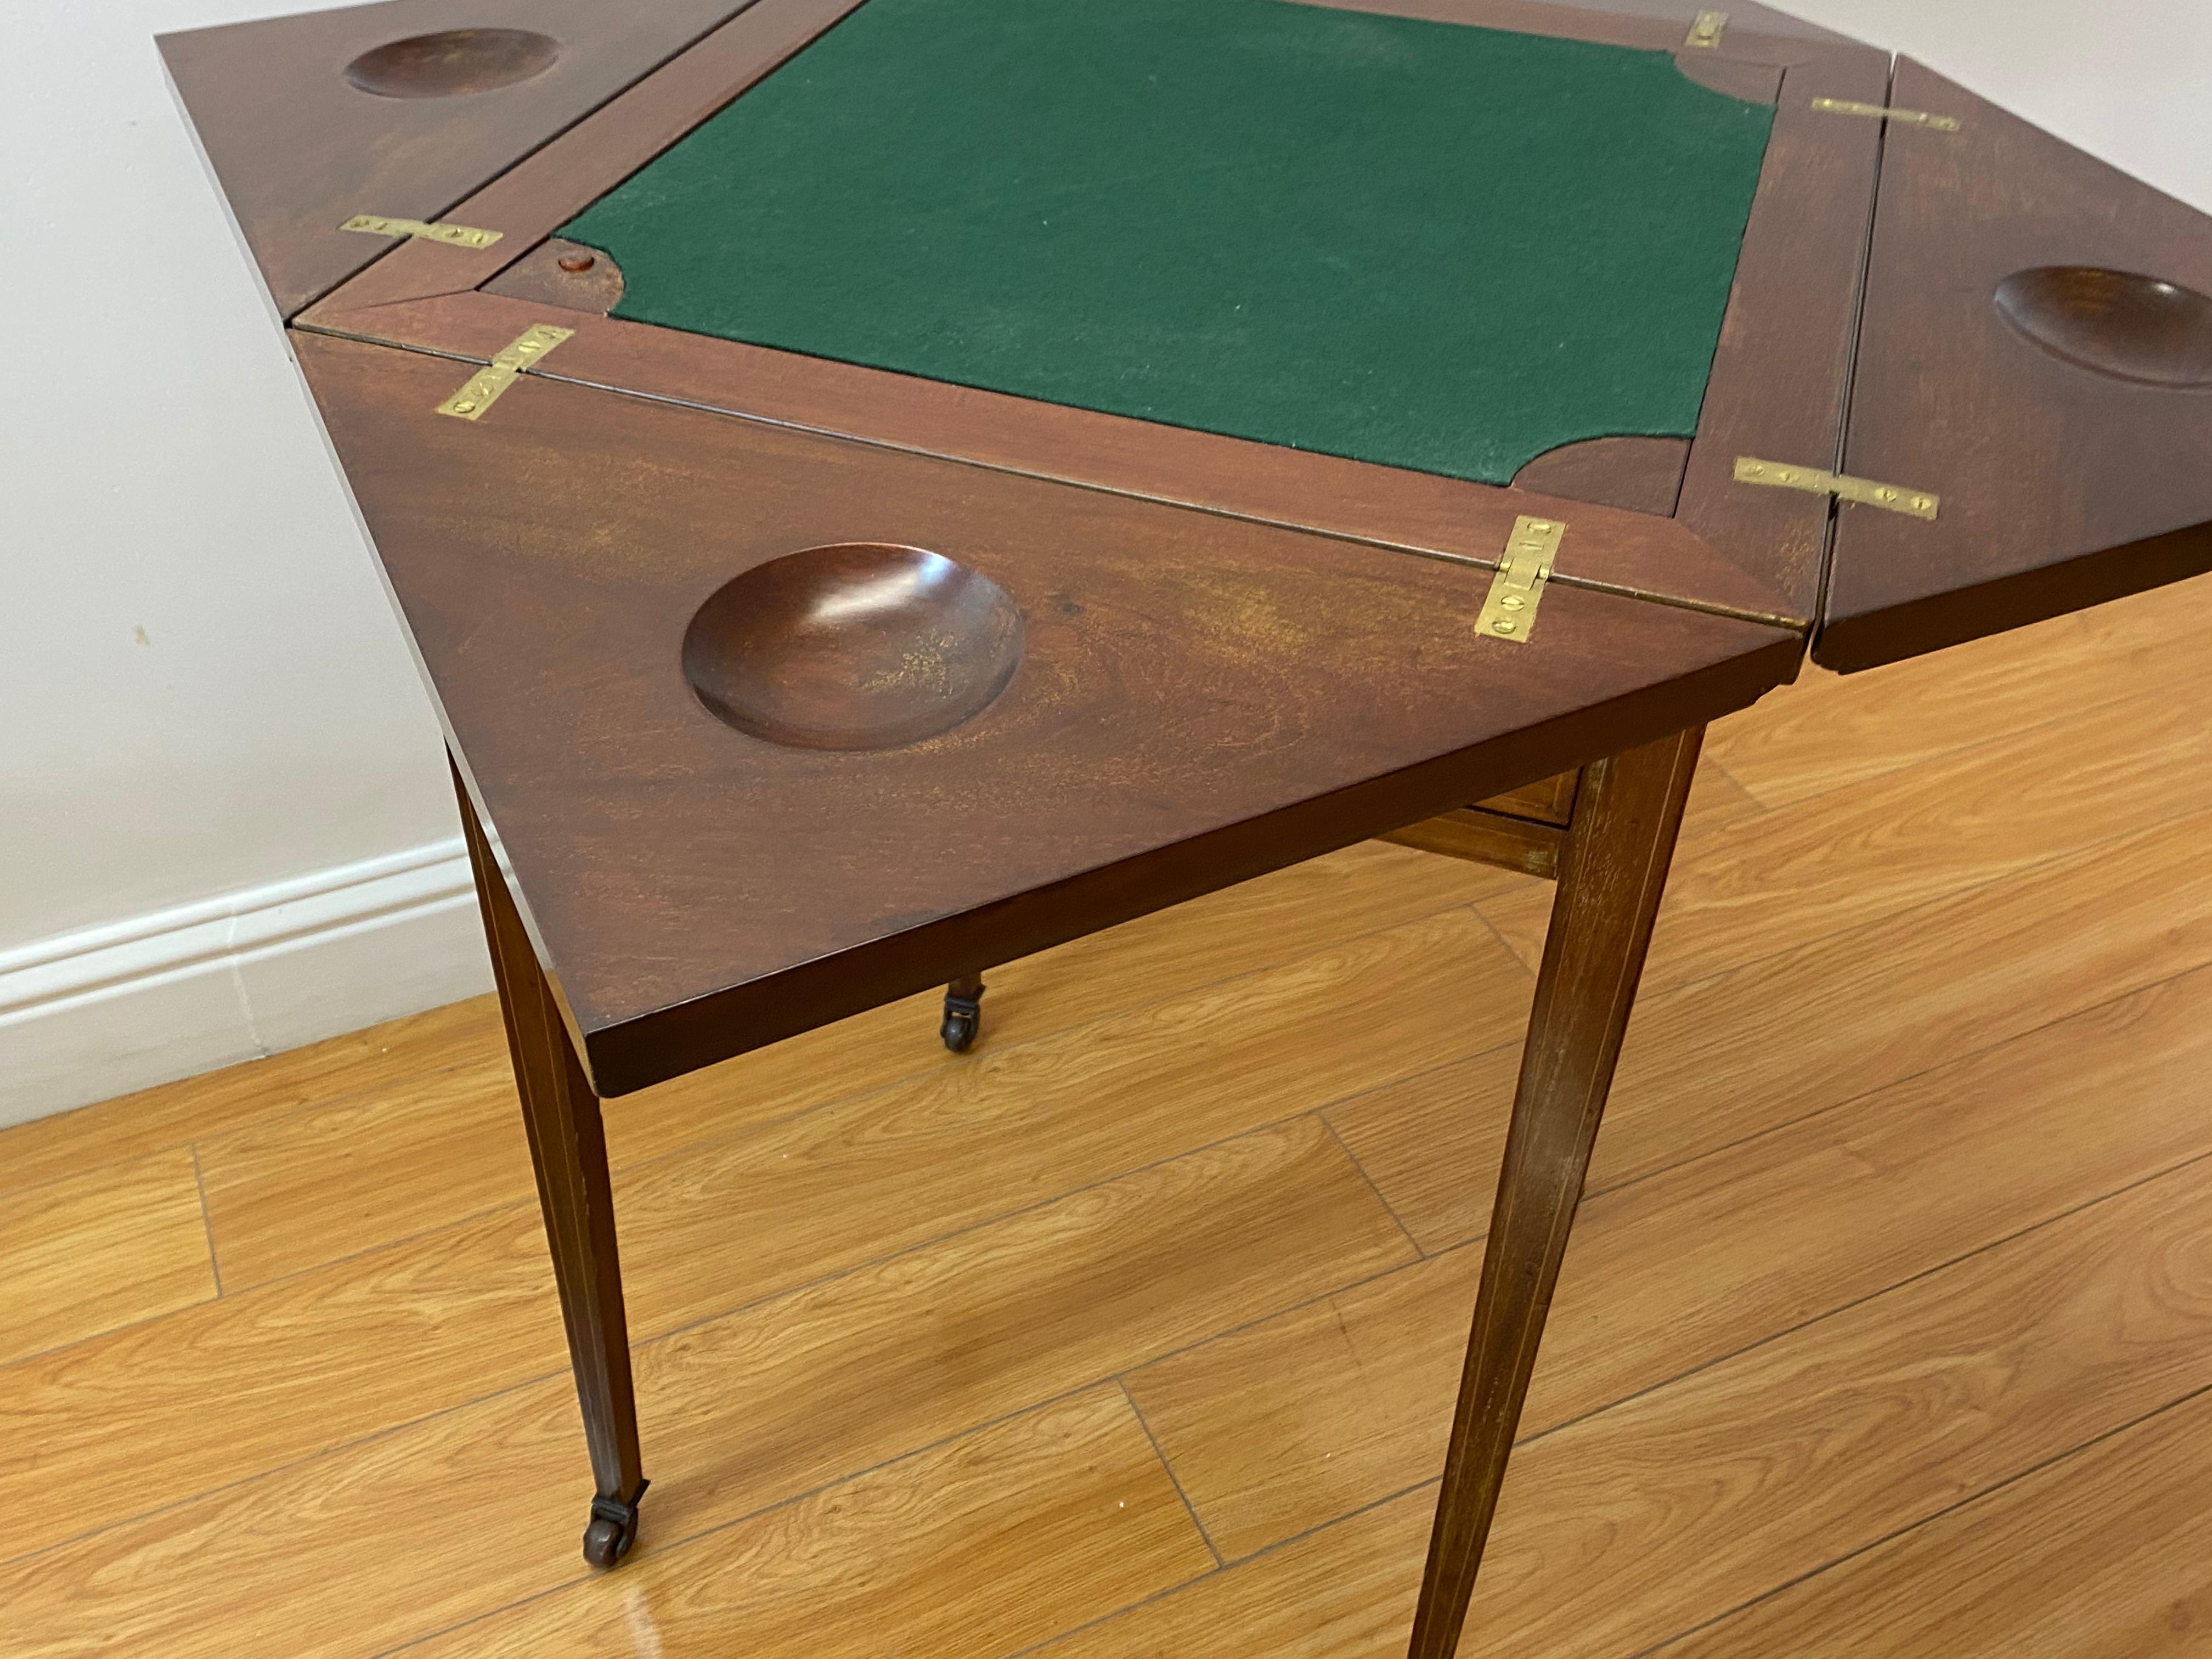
[
  {"x": 1420, "y": 511},
  {"x": 1782, "y": 375},
  {"x": 412, "y": 299},
  {"x": 1487, "y": 837},
  {"x": 1200, "y": 699},
  {"x": 299, "y": 149},
  {"x": 569, "y": 1151},
  {"x": 567, "y": 275},
  {"x": 2062, "y": 486},
  {"x": 1548, "y": 800},
  {"x": 1611, "y": 878},
  {"x": 1641, "y": 475},
  {"x": 542, "y": 188}
]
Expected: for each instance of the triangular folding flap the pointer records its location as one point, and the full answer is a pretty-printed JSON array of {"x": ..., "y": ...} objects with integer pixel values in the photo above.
[
  {"x": 390, "y": 110},
  {"x": 2035, "y": 352},
  {"x": 716, "y": 850}
]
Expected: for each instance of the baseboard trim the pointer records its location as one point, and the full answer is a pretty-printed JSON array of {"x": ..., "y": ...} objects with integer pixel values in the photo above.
[{"x": 88, "y": 1015}]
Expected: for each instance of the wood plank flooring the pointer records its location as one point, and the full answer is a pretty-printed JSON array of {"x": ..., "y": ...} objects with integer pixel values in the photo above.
[{"x": 1886, "y": 1327}]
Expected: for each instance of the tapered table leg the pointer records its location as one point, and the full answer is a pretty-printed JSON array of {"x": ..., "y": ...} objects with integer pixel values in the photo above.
[
  {"x": 569, "y": 1148},
  {"x": 1610, "y": 877}
]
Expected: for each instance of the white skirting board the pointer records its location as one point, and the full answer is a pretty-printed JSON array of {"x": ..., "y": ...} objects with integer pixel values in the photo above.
[{"x": 100, "y": 1012}]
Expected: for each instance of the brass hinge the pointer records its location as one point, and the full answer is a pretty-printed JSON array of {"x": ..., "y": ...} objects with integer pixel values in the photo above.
[
  {"x": 1911, "y": 117},
  {"x": 1706, "y": 31},
  {"x": 375, "y": 224},
  {"x": 1893, "y": 498},
  {"x": 484, "y": 387},
  {"x": 1518, "y": 588}
]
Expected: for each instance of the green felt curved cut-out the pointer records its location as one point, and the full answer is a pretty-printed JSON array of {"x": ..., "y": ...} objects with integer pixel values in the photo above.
[{"x": 1427, "y": 245}]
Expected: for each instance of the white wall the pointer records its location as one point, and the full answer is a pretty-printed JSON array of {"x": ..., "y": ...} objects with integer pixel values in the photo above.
[
  {"x": 224, "y": 827},
  {"x": 205, "y": 700},
  {"x": 2129, "y": 81}
]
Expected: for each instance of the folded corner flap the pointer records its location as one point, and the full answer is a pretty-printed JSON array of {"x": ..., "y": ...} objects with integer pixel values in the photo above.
[
  {"x": 2036, "y": 353},
  {"x": 390, "y": 110}
]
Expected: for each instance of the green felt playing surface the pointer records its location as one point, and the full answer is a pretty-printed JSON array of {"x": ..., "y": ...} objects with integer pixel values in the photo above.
[{"x": 1422, "y": 244}]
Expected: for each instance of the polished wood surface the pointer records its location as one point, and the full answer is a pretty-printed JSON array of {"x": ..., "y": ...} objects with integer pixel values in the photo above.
[
  {"x": 1782, "y": 375},
  {"x": 2042, "y": 307},
  {"x": 542, "y": 187},
  {"x": 1522, "y": 829},
  {"x": 1612, "y": 873},
  {"x": 855, "y": 646},
  {"x": 407, "y": 299},
  {"x": 1932, "y": 1272},
  {"x": 1424, "y": 512},
  {"x": 2037, "y": 344},
  {"x": 1487, "y": 837},
  {"x": 567, "y": 275},
  {"x": 1548, "y": 800},
  {"x": 1971, "y": 267},
  {"x": 575, "y": 1197},
  {"x": 300, "y": 144},
  {"x": 1197, "y": 699},
  {"x": 1643, "y": 474}
]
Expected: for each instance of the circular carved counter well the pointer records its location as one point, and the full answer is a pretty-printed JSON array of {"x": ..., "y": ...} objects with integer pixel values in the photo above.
[
  {"x": 452, "y": 63},
  {"x": 2115, "y": 323},
  {"x": 861, "y": 645}
]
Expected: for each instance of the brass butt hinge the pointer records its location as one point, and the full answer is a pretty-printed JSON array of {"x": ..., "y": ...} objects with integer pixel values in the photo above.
[
  {"x": 484, "y": 387},
  {"x": 1890, "y": 498},
  {"x": 1706, "y": 31},
  {"x": 1909, "y": 118},
  {"x": 1518, "y": 587},
  {"x": 375, "y": 224}
]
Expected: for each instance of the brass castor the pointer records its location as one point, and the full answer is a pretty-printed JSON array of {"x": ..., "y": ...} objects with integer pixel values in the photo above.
[
  {"x": 613, "y": 1529},
  {"x": 963, "y": 1015}
]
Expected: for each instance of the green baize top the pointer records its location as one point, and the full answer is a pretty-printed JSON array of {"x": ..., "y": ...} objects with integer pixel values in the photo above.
[{"x": 1422, "y": 244}]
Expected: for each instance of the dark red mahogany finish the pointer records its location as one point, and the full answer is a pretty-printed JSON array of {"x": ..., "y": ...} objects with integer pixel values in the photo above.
[
  {"x": 300, "y": 145},
  {"x": 864, "y": 644},
  {"x": 2119, "y": 323},
  {"x": 2036, "y": 350},
  {"x": 452, "y": 63}
]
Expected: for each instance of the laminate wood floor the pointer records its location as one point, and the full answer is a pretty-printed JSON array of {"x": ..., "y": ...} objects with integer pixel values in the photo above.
[{"x": 1886, "y": 1327}]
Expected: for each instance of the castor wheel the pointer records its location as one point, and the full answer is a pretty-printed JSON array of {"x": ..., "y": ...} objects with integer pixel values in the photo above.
[
  {"x": 963, "y": 1014},
  {"x": 613, "y": 1529}
]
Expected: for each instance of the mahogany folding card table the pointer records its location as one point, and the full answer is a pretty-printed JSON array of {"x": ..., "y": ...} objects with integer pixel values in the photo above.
[{"x": 877, "y": 488}]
